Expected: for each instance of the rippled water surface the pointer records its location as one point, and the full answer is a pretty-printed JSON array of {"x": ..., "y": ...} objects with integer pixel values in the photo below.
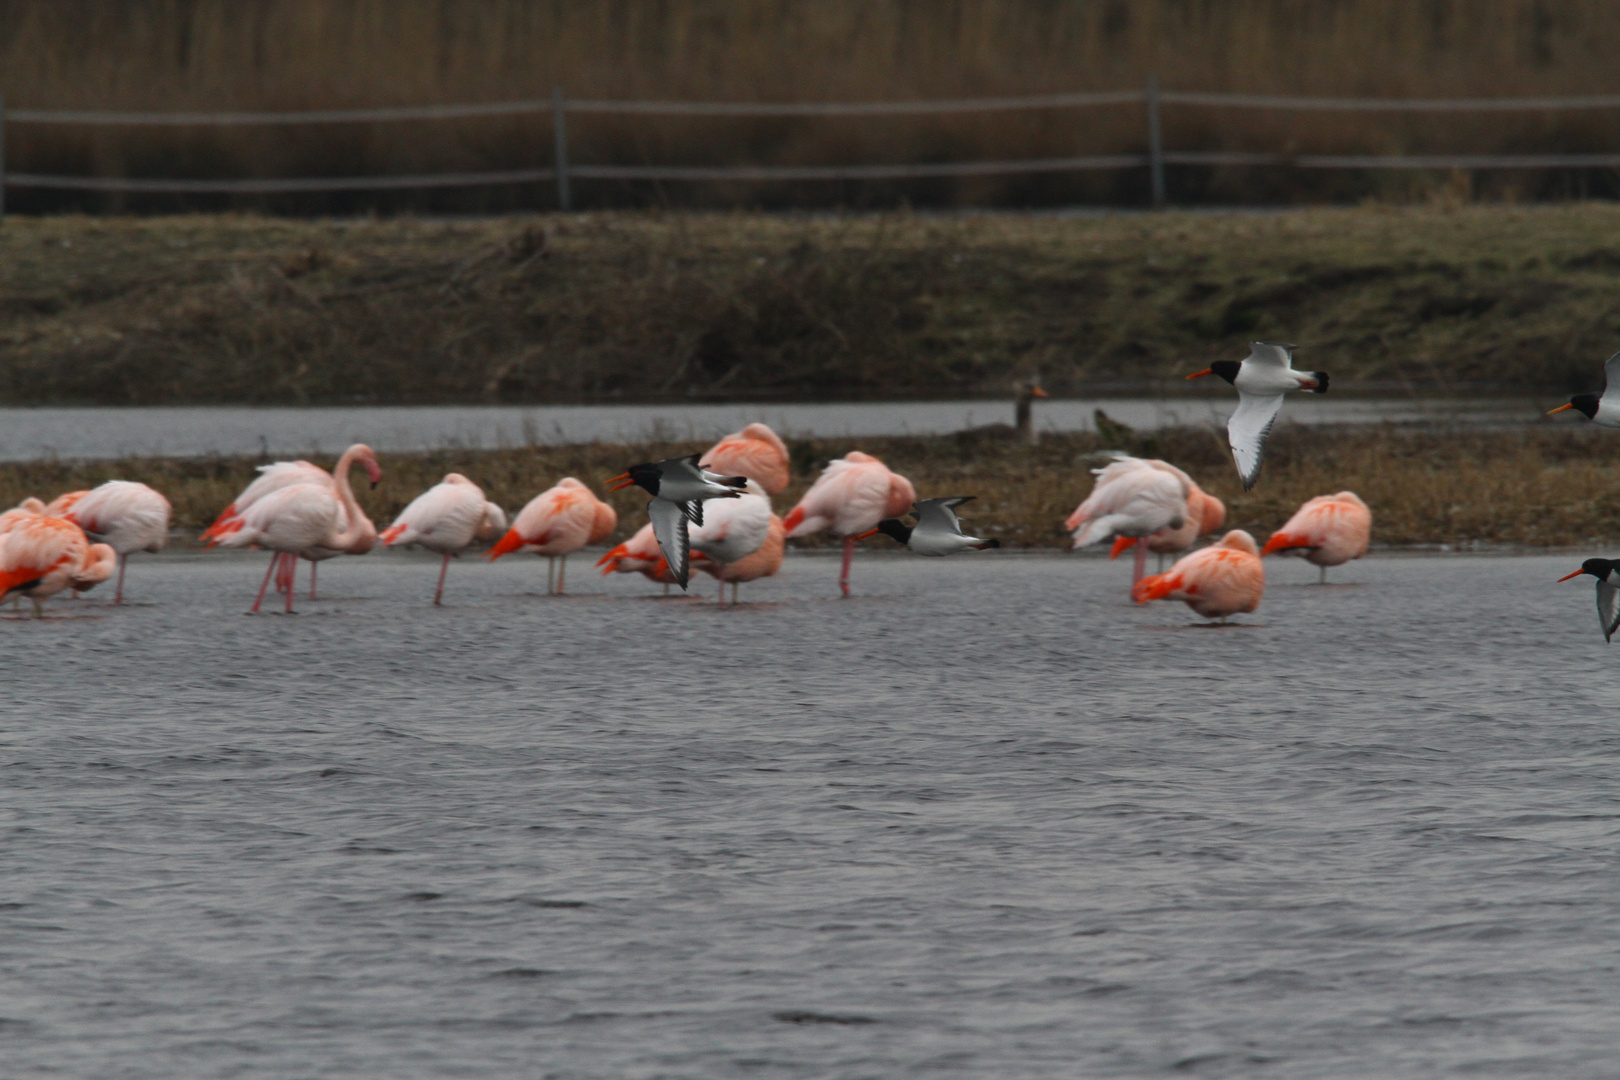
[
  {"x": 985, "y": 819},
  {"x": 117, "y": 432}
]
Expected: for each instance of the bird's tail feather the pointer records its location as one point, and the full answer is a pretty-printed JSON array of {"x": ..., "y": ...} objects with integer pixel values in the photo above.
[{"x": 508, "y": 544}]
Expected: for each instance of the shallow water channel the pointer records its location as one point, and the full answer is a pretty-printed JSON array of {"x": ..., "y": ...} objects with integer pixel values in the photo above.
[
  {"x": 193, "y": 431},
  {"x": 985, "y": 819}
]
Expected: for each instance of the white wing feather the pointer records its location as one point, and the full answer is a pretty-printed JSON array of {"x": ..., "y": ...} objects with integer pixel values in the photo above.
[
  {"x": 1246, "y": 433},
  {"x": 1606, "y": 593}
]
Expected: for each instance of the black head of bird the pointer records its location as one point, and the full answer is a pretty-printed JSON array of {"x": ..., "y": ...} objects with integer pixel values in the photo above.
[
  {"x": 646, "y": 475},
  {"x": 1598, "y": 568},
  {"x": 893, "y": 528},
  {"x": 1226, "y": 369},
  {"x": 1584, "y": 403}
]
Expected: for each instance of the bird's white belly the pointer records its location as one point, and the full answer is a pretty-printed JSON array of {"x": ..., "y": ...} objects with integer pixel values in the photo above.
[{"x": 1267, "y": 383}]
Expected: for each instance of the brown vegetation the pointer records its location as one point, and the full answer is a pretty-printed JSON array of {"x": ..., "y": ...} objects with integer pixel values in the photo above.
[
  {"x": 315, "y": 54},
  {"x": 1544, "y": 487},
  {"x": 680, "y": 306}
]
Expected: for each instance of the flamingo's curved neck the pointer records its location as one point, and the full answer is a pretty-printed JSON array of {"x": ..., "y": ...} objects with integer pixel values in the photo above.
[{"x": 355, "y": 523}]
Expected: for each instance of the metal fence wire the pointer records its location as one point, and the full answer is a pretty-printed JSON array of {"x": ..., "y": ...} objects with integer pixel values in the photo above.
[{"x": 563, "y": 170}]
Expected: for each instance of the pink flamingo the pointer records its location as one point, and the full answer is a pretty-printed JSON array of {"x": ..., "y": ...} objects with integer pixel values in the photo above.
[
  {"x": 733, "y": 531},
  {"x": 282, "y": 474},
  {"x": 126, "y": 515},
  {"x": 640, "y": 555},
  {"x": 299, "y": 517},
  {"x": 28, "y": 508},
  {"x": 445, "y": 518},
  {"x": 1205, "y": 515},
  {"x": 764, "y": 561},
  {"x": 1215, "y": 581},
  {"x": 1132, "y": 498},
  {"x": 850, "y": 497},
  {"x": 557, "y": 522},
  {"x": 1329, "y": 530},
  {"x": 41, "y": 555},
  {"x": 755, "y": 452}
]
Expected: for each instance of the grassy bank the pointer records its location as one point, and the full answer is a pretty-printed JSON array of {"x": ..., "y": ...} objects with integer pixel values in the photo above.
[
  {"x": 677, "y": 306},
  {"x": 209, "y": 55},
  {"x": 1544, "y": 487}
]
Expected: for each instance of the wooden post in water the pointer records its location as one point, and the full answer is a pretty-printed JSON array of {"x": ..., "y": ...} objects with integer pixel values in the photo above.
[
  {"x": 1155, "y": 143},
  {"x": 559, "y": 132}
]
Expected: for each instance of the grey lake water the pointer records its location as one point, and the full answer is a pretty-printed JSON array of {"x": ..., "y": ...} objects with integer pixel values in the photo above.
[
  {"x": 985, "y": 819},
  {"x": 191, "y": 431}
]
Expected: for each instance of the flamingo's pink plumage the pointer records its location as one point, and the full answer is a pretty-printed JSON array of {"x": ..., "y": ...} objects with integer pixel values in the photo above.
[{"x": 1215, "y": 582}]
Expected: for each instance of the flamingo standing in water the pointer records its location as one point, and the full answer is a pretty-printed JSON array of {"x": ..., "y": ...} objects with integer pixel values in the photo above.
[
  {"x": 850, "y": 497},
  {"x": 1205, "y": 515},
  {"x": 42, "y": 555},
  {"x": 282, "y": 474},
  {"x": 445, "y": 518},
  {"x": 297, "y": 517},
  {"x": 1216, "y": 581},
  {"x": 763, "y": 562},
  {"x": 733, "y": 530},
  {"x": 1133, "y": 498},
  {"x": 557, "y": 522},
  {"x": 1328, "y": 530},
  {"x": 126, "y": 515},
  {"x": 755, "y": 452}
]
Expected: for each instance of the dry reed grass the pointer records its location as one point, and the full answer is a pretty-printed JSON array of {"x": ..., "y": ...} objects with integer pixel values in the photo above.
[
  {"x": 311, "y": 54},
  {"x": 623, "y": 306},
  {"x": 1541, "y": 487}
]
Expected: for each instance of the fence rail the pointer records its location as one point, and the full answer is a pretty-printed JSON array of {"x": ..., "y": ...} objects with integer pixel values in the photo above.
[{"x": 563, "y": 170}]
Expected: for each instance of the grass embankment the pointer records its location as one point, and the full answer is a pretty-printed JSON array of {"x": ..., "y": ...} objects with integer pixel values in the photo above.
[
  {"x": 640, "y": 307},
  {"x": 211, "y": 55},
  {"x": 1552, "y": 487}
]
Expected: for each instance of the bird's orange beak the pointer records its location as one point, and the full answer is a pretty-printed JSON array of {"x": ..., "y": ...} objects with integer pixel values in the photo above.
[
  {"x": 1561, "y": 408},
  {"x": 621, "y": 481},
  {"x": 1577, "y": 573},
  {"x": 1038, "y": 392},
  {"x": 868, "y": 532},
  {"x": 1197, "y": 374}
]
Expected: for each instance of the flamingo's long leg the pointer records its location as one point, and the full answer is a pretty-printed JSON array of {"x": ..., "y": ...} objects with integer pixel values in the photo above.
[
  {"x": 735, "y": 585},
  {"x": 444, "y": 568},
  {"x": 849, "y": 553},
  {"x": 551, "y": 575},
  {"x": 1139, "y": 564},
  {"x": 123, "y": 560},
  {"x": 562, "y": 570},
  {"x": 292, "y": 576},
  {"x": 275, "y": 561},
  {"x": 1322, "y": 578}
]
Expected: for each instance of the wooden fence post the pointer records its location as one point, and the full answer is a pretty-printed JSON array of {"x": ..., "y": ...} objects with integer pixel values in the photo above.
[
  {"x": 1155, "y": 143},
  {"x": 559, "y": 131}
]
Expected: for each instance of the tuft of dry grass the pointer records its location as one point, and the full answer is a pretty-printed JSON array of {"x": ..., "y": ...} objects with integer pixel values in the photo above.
[
  {"x": 624, "y": 306},
  {"x": 315, "y": 54},
  {"x": 1535, "y": 487}
]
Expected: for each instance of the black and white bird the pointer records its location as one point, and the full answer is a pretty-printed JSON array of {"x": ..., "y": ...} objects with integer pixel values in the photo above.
[
  {"x": 1262, "y": 378},
  {"x": 679, "y": 487},
  {"x": 1607, "y": 591},
  {"x": 1600, "y": 408},
  {"x": 938, "y": 530}
]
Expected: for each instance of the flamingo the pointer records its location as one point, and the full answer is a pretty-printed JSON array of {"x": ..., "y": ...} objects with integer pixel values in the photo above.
[
  {"x": 639, "y": 555},
  {"x": 299, "y": 517},
  {"x": 28, "y": 508},
  {"x": 41, "y": 555},
  {"x": 1216, "y": 582},
  {"x": 1133, "y": 498},
  {"x": 764, "y": 562},
  {"x": 1328, "y": 530},
  {"x": 126, "y": 515},
  {"x": 755, "y": 452},
  {"x": 850, "y": 497},
  {"x": 556, "y": 522},
  {"x": 733, "y": 530},
  {"x": 445, "y": 519},
  {"x": 1205, "y": 515},
  {"x": 283, "y": 474}
]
